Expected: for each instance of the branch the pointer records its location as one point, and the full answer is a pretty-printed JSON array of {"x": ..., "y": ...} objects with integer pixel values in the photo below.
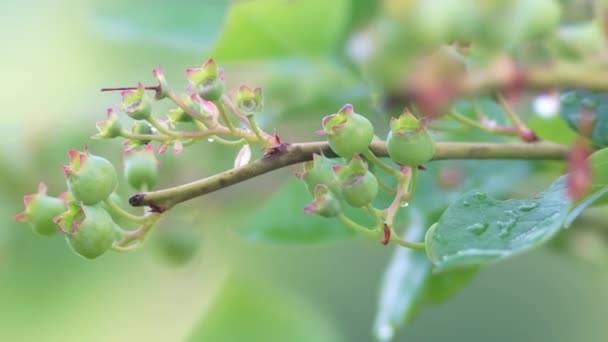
[{"x": 301, "y": 152}]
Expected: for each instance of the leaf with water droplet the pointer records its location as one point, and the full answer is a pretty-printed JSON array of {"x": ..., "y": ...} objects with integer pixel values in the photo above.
[{"x": 500, "y": 228}]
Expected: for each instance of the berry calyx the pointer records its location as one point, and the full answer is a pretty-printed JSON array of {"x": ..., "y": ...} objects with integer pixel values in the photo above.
[
  {"x": 136, "y": 103},
  {"x": 358, "y": 186},
  {"x": 408, "y": 142},
  {"x": 90, "y": 178},
  {"x": 207, "y": 80},
  {"x": 89, "y": 230},
  {"x": 348, "y": 133},
  {"x": 162, "y": 88},
  {"x": 109, "y": 128},
  {"x": 40, "y": 209},
  {"x": 249, "y": 101},
  {"x": 141, "y": 168}
]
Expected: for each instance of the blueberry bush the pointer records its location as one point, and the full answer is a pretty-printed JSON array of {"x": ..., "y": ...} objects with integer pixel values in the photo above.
[{"x": 404, "y": 123}]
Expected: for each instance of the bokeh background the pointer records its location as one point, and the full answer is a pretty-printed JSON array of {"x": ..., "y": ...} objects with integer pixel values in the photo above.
[{"x": 55, "y": 57}]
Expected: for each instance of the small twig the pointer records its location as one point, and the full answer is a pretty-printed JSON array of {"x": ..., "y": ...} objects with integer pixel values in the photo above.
[{"x": 300, "y": 152}]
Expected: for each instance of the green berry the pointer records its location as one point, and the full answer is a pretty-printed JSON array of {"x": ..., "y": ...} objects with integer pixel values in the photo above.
[
  {"x": 40, "y": 210},
  {"x": 117, "y": 217},
  {"x": 325, "y": 202},
  {"x": 89, "y": 230},
  {"x": 110, "y": 128},
  {"x": 359, "y": 187},
  {"x": 408, "y": 142},
  {"x": 532, "y": 19},
  {"x": 90, "y": 178},
  {"x": 207, "y": 80},
  {"x": 249, "y": 101},
  {"x": 141, "y": 127},
  {"x": 141, "y": 168},
  {"x": 177, "y": 244},
  {"x": 348, "y": 133},
  {"x": 319, "y": 171},
  {"x": 136, "y": 103}
]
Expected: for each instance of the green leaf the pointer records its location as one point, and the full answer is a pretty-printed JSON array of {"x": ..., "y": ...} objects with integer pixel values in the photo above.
[
  {"x": 402, "y": 285},
  {"x": 408, "y": 284},
  {"x": 573, "y": 102},
  {"x": 178, "y": 24},
  {"x": 246, "y": 310},
  {"x": 552, "y": 129},
  {"x": 477, "y": 229},
  {"x": 265, "y": 29},
  {"x": 280, "y": 219}
]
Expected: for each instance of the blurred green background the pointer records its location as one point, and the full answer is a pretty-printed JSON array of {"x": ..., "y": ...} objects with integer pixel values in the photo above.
[{"x": 55, "y": 57}]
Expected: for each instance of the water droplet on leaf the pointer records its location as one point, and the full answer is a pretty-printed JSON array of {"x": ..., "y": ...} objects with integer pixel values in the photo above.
[
  {"x": 404, "y": 204},
  {"x": 478, "y": 228},
  {"x": 528, "y": 206},
  {"x": 480, "y": 196},
  {"x": 569, "y": 98}
]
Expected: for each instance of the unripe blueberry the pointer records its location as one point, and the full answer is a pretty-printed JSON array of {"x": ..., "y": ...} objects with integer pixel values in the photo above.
[
  {"x": 207, "y": 81},
  {"x": 581, "y": 39},
  {"x": 348, "y": 133},
  {"x": 90, "y": 178},
  {"x": 325, "y": 202},
  {"x": 109, "y": 128},
  {"x": 319, "y": 171},
  {"x": 89, "y": 230},
  {"x": 40, "y": 210},
  {"x": 177, "y": 244},
  {"x": 408, "y": 142},
  {"x": 178, "y": 115},
  {"x": 249, "y": 101},
  {"x": 141, "y": 127},
  {"x": 532, "y": 19},
  {"x": 141, "y": 168},
  {"x": 359, "y": 187},
  {"x": 117, "y": 217},
  {"x": 136, "y": 103}
]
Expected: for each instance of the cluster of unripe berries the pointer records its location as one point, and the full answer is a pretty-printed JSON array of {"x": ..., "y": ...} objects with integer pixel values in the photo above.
[
  {"x": 349, "y": 135},
  {"x": 86, "y": 213}
]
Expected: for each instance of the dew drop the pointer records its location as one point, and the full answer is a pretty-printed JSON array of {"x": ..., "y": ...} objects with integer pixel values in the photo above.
[
  {"x": 569, "y": 98},
  {"x": 438, "y": 237},
  {"x": 478, "y": 228},
  {"x": 466, "y": 204},
  {"x": 404, "y": 204},
  {"x": 506, "y": 226},
  {"x": 588, "y": 103},
  {"x": 528, "y": 206},
  {"x": 210, "y": 140},
  {"x": 480, "y": 196}
]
